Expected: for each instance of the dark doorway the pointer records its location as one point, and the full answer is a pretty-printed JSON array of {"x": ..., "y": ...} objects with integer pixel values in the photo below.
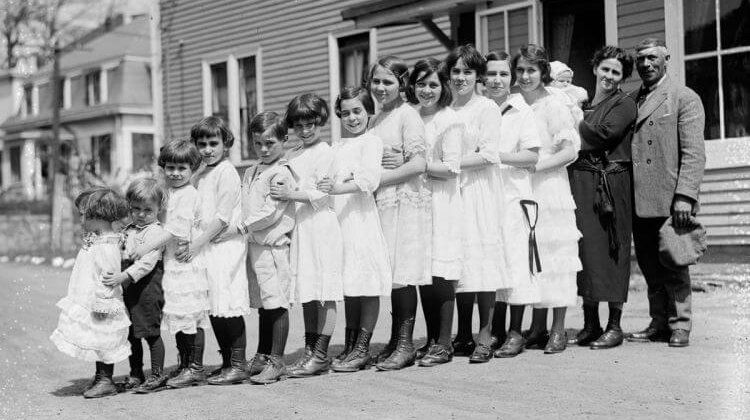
[{"x": 573, "y": 31}]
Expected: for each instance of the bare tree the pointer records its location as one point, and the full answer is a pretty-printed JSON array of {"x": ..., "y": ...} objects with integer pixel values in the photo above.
[{"x": 14, "y": 17}]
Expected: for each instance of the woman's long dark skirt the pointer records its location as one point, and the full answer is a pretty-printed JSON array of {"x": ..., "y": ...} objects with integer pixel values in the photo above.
[{"x": 605, "y": 277}]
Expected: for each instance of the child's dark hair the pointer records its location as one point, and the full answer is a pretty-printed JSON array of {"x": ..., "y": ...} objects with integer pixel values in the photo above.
[
  {"x": 212, "y": 127},
  {"x": 146, "y": 189},
  {"x": 394, "y": 65},
  {"x": 610, "y": 51},
  {"x": 102, "y": 203},
  {"x": 180, "y": 151},
  {"x": 307, "y": 106},
  {"x": 355, "y": 92},
  {"x": 536, "y": 55},
  {"x": 267, "y": 120},
  {"x": 423, "y": 69},
  {"x": 471, "y": 58}
]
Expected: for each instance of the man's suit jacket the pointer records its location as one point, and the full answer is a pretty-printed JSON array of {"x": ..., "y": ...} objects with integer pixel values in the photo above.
[{"x": 668, "y": 151}]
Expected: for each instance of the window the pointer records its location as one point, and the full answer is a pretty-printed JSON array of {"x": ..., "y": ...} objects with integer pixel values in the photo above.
[
  {"x": 717, "y": 62},
  {"x": 354, "y": 52},
  {"x": 248, "y": 92},
  {"x": 219, "y": 91},
  {"x": 507, "y": 28},
  {"x": 15, "y": 163},
  {"x": 27, "y": 107},
  {"x": 101, "y": 161},
  {"x": 93, "y": 88},
  {"x": 143, "y": 151}
]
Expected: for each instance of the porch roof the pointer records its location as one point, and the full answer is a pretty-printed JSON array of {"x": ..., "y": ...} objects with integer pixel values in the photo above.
[{"x": 380, "y": 13}]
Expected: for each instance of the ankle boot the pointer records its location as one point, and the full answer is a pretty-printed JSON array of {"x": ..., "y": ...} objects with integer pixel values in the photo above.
[
  {"x": 225, "y": 363},
  {"x": 310, "y": 339},
  {"x": 591, "y": 328},
  {"x": 422, "y": 351},
  {"x": 350, "y": 339},
  {"x": 155, "y": 382},
  {"x": 273, "y": 371},
  {"x": 104, "y": 385},
  {"x": 194, "y": 374},
  {"x": 391, "y": 346},
  {"x": 613, "y": 336},
  {"x": 404, "y": 354},
  {"x": 359, "y": 357},
  {"x": 255, "y": 365},
  {"x": 95, "y": 379},
  {"x": 235, "y": 373},
  {"x": 318, "y": 363}
]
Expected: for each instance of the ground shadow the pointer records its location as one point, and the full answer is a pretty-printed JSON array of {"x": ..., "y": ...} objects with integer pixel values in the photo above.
[{"x": 76, "y": 386}]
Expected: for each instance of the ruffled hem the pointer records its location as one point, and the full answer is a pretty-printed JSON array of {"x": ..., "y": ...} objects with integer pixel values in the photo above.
[
  {"x": 335, "y": 297},
  {"x": 82, "y": 317},
  {"x": 109, "y": 356},
  {"x": 231, "y": 312},
  {"x": 108, "y": 306},
  {"x": 186, "y": 323},
  {"x": 186, "y": 304},
  {"x": 519, "y": 295}
]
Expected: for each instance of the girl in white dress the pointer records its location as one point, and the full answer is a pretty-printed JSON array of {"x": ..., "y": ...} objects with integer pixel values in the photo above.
[
  {"x": 519, "y": 149},
  {"x": 219, "y": 186},
  {"x": 482, "y": 197},
  {"x": 185, "y": 284},
  {"x": 94, "y": 323},
  {"x": 367, "y": 269},
  {"x": 404, "y": 204},
  {"x": 429, "y": 88},
  {"x": 556, "y": 230},
  {"x": 316, "y": 250}
]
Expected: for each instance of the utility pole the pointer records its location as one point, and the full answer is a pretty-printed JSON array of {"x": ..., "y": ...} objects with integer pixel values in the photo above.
[{"x": 56, "y": 182}]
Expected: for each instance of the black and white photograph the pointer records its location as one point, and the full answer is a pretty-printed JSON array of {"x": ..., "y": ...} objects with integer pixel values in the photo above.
[{"x": 376, "y": 209}]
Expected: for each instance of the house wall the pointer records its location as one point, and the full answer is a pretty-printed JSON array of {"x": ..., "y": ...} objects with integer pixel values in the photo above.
[{"x": 293, "y": 37}]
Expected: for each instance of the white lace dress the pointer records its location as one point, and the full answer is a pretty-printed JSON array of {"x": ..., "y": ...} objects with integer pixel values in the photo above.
[
  {"x": 444, "y": 132},
  {"x": 405, "y": 208},
  {"x": 79, "y": 334},
  {"x": 219, "y": 188},
  {"x": 367, "y": 269},
  {"x": 557, "y": 233},
  {"x": 519, "y": 132},
  {"x": 317, "y": 246},
  {"x": 482, "y": 198},
  {"x": 185, "y": 285}
]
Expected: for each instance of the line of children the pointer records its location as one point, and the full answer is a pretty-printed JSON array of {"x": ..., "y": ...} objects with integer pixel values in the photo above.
[{"x": 430, "y": 193}]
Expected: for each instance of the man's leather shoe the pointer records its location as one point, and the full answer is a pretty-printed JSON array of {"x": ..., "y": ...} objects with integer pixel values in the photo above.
[
  {"x": 649, "y": 334},
  {"x": 611, "y": 338},
  {"x": 679, "y": 338},
  {"x": 585, "y": 337}
]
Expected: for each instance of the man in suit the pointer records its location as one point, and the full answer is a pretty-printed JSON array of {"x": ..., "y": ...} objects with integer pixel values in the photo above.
[{"x": 668, "y": 162}]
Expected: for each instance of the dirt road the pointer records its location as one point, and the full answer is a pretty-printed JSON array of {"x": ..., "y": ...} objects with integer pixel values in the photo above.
[{"x": 709, "y": 379}]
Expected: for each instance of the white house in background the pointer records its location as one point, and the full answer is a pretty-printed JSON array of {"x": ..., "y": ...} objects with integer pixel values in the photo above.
[{"x": 106, "y": 113}]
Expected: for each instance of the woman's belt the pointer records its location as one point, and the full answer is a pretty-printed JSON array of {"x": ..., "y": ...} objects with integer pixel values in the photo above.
[{"x": 604, "y": 205}]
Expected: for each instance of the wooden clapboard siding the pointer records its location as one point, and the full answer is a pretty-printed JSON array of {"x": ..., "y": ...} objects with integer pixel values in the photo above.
[
  {"x": 294, "y": 41},
  {"x": 725, "y": 206},
  {"x": 636, "y": 20}
]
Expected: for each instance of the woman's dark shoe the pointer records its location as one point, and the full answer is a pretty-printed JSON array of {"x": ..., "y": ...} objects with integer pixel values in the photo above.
[
  {"x": 585, "y": 337},
  {"x": 556, "y": 343},
  {"x": 235, "y": 373},
  {"x": 310, "y": 340},
  {"x": 350, "y": 339},
  {"x": 482, "y": 354},
  {"x": 439, "y": 354},
  {"x": 404, "y": 355},
  {"x": 422, "y": 351},
  {"x": 610, "y": 338},
  {"x": 391, "y": 346},
  {"x": 463, "y": 347},
  {"x": 318, "y": 363},
  {"x": 155, "y": 382},
  {"x": 496, "y": 341},
  {"x": 512, "y": 347},
  {"x": 536, "y": 340},
  {"x": 274, "y": 371},
  {"x": 359, "y": 358},
  {"x": 103, "y": 387}
]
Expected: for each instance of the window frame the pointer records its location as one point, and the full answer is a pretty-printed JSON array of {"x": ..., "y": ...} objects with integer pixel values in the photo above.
[
  {"x": 535, "y": 22},
  {"x": 95, "y": 154},
  {"x": 334, "y": 68},
  {"x": 232, "y": 58}
]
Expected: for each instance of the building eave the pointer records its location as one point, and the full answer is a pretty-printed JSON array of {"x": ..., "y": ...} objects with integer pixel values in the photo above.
[
  {"x": 15, "y": 124},
  {"x": 396, "y": 12}
]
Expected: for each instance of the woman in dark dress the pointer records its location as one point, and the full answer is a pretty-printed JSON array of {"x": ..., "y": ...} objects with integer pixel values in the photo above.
[{"x": 601, "y": 183}]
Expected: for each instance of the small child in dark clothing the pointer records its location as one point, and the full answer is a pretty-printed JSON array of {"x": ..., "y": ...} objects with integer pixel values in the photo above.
[{"x": 142, "y": 278}]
